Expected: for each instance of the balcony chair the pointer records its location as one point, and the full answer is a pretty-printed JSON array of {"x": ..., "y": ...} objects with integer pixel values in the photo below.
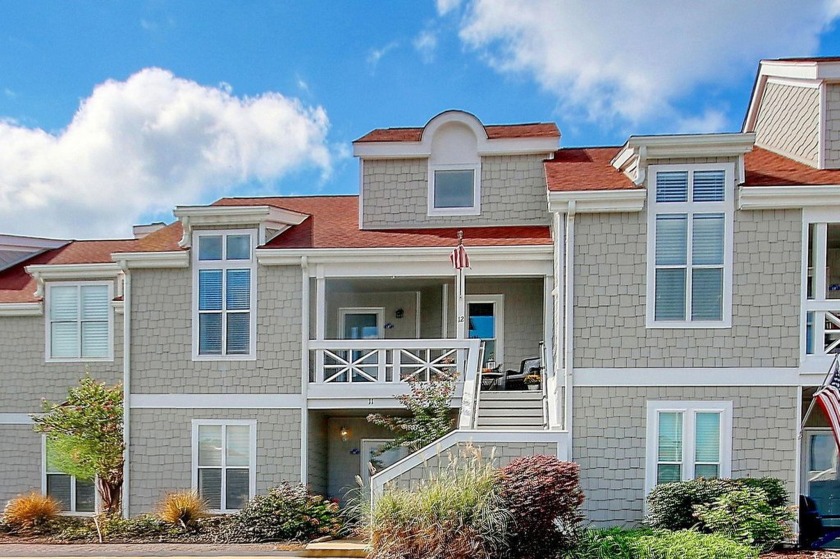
[{"x": 515, "y": 380}]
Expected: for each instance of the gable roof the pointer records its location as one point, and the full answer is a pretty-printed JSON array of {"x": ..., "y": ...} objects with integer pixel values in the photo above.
[
  {"x": 766, "y": 168},
  {"x": 590, "y": 168},
  {"x": 494, "y": 132},
  {"x": 16, "y": 286}
]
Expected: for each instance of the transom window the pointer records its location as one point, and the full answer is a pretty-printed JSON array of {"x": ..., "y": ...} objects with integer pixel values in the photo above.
[
  {"x": 687, "y": 440},
  {"x": 690, "y": 246},
  {"x": 73, "y": 495},
  {"x": 224, "y": 286},
  {"x": 79, "y": 325},
  {"x": 224, "y": 456},
  {"x": 454, "y": 190}
]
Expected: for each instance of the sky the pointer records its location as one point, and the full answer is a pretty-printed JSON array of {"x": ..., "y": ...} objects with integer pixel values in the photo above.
[{"x": 112, "y": 113}]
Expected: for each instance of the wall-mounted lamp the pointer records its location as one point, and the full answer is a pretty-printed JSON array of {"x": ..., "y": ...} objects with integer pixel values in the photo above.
[
  {"x": 344, "y": 433},
  {"x": 400, "y": 313}
]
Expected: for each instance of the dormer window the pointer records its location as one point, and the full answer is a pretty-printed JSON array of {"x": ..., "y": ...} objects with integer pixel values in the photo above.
[
  {"x": 454, "y": 190},
  {"x": 454, "y": 171}
]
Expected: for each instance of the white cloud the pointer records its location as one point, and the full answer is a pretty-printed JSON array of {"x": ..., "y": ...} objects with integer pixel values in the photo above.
[
  {"x": 375, "y": 55},
  {"x": 142, "y": 146},
  {"x": 425, "y": 43},
  {"x": 446, "y": 6},
  {"x": 710, "y": 121},
  {"x": 630, "y": 61}
]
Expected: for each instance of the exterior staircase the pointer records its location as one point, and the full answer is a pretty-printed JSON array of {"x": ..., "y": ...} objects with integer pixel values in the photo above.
[{"x": 511, "y": 409}]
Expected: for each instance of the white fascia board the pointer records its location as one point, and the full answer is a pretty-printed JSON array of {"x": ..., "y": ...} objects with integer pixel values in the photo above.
[
  {"x": 801, "y": 70},
  {"x": 48, "y": 272},
  {"x": 211, "y": 216},
  {"x": 423, "y": 149},
  {"x": 787, "y": 197},
  {"x": 217, "y": 401},
  {"x": 280, "y": 256},
  {"x": 168, "y": 259},
  {"x": 706, "y": 376},
  {"x": 693, "y": 145},
  {"x": 21, "y": 309},
  {"x": 597, "y": 201}
]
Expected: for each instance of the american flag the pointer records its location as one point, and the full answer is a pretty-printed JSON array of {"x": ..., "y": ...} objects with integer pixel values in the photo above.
[
  {"x": 828, "y": 397},
  {"x": 459, "y": 257}
]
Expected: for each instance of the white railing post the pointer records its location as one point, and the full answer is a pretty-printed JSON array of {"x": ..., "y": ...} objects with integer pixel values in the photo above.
[
  {"x": 382, "y": 358},
  {"x": 319, "y": 366},
  {"x": 396, "y": 362}
]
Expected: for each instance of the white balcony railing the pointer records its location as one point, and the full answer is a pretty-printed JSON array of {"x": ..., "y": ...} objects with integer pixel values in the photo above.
[{"x": 392, "y": 361}]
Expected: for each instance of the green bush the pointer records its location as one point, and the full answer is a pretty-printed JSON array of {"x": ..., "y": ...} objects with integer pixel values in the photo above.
[
  {"x": 611, "y": 543},
  {"x": 456, "y": 514},
  {"x": 671, "y": 505},
  {"x": 690, "y": 544},
  {"x": 746, "y": 516},
  {"x": 543, "y": 496},
  {"x": 286, "y": 512}
]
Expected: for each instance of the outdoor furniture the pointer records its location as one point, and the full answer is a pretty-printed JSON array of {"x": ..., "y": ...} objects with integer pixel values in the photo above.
[
  {"x": 813, "y": 534},
  {"x": 490, "y": 379},
  {"x": 528, "y": 366}
]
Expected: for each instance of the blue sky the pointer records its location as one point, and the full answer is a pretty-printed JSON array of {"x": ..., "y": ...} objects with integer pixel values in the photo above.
[{"x": 113, "y": 112}]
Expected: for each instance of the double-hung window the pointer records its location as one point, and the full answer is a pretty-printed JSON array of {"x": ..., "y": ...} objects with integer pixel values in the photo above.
[
  {"x": 224, "y": 457},
  {"x": 73, "y": 495},
  {"x": 687, "y": 440},
  {"x": 79, "y": 322},
  {"x": 690, "y": 222},
  {"x": 224, "y": 295}
]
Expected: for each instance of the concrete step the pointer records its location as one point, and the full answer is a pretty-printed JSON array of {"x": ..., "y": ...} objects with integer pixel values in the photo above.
[
  {"x": 336, "y": 549},
  {"x": 535, "y": 411}
]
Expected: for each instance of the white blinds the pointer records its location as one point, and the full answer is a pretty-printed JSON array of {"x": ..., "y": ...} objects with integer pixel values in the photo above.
[
  {"x": 672, "y": 186},
  {"x": 707, "y": 245},
  {"x": 671, "y": 238},
  {"x": 79, "y": 321},
  {"x": 708, "y": 186}
]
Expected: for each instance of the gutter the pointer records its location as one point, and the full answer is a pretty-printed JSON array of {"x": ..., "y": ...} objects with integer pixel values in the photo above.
[
  {"x": 568, "y": 329},
  {"x": 304, "y": 373},
  {"x": 126, "y": 389}
]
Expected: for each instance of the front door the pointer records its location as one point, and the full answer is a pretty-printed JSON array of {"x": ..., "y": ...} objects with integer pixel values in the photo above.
[
  {"x": 821, "y": 481},
  {"x": 361, "y": 324},
  {"x": 378, "y": 463},
  {"x": 485, "y": 321}
]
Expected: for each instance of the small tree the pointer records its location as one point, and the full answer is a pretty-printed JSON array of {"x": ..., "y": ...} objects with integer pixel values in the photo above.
[
  {"x": 85, "y": 436},
  {"x": 430, "y": 408}
]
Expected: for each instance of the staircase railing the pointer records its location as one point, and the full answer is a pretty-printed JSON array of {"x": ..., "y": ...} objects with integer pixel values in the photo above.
[
  {"x": 544, "y": 385},
  {"x": 471, "y": 395}
]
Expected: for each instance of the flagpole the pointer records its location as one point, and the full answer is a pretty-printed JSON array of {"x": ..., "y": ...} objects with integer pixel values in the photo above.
[
  {"x": 814, "y": 400},
  {"x": 460, "y": 327}
]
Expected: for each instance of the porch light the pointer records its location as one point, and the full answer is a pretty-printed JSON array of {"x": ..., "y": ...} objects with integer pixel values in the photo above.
[{"x": 344, "y": 433}]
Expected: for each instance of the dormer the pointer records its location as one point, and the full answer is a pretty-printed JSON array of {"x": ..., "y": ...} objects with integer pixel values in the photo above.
[
  {"x": 454, "y": 171},
  {"x": 795, "y": 110}
]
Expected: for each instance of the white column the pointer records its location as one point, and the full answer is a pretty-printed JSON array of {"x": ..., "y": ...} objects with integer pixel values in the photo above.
[{"x": 320, "y": 322}]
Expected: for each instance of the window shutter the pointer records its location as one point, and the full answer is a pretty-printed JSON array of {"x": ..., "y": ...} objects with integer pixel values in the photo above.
[
  {"x": 709, "y": 186},
  {"x": 672, "y": 186}
]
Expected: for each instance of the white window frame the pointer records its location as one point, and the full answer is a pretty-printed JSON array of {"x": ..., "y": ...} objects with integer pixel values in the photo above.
[
  {"x": 498, "y": 300},
  {"x": 48, "y": 322},
  {"x": 45, "y": 472},
  {"x": 475, "y": 209},
  {"x": 821, "y": 218},
  {"x": 224, "y": 265},
  {"x": 378, "y": 311},
  {"x": 727, "y": 207},
  {"x": 252, "y": 457},
  {"x": 689, "y": 409}
]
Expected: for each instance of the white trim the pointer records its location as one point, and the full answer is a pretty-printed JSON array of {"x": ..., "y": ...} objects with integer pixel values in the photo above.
[
  {"x": 804, "y": 453},
  {"x": 686, "y": 376},
  {"x": 685, "y": 145},
  {"x": 690, "y": 209},
  {"x": 598, "y": 201},
  {"x": 498, "y": 302},
  {"x": 390, "y": 258},
  {"x": 73, "y": 272},
  {"x": 261, "y": 216},
  {"x": 689, "y": 408},
  {"x": 252, "y": 458},
  {"x": 15, "y": 419},
  {"x": 152, "y": 260},
  {"x": 217, "y": 401},
  {"x": 304, "y": 368},
  {"x": 787, "y": 197},
  {"x": 20, "y": 243},
  {"x": 48, "y": 322},
  {"x": 822, "y": 130},
  {"x": 21, "y": 309},
  {"x": 475, "y": 209},
  {"x": 378, "y": 311},
  {"x": 224, "y": 265}
]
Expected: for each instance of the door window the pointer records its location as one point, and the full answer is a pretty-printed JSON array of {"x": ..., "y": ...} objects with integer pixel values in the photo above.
[
  {"x": 484, "y": 323},
  {"x": 821, "y": 479}
]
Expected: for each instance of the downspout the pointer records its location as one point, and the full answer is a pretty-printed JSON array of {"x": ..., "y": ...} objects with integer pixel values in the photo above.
[
  {"x": 126, "y": 387},
  {"x": 568, "y": 327},
  {"x": 304, "y": 360}
]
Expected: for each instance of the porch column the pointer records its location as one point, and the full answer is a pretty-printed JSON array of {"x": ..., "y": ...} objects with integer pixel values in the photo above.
[{"x": 320, "y": 322}]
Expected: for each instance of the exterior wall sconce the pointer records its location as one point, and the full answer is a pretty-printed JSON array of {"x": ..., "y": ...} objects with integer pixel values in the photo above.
[
  {"x": 344, "y": 433},
  {"x": 399, "y": 313}
]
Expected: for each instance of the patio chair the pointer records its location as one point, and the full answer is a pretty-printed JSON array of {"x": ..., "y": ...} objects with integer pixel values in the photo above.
[
  {"x": 813, "y": 534},
  {"x": 516, "y": 379}
]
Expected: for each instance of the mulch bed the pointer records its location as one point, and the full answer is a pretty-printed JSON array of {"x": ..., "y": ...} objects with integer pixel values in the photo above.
[{"x": 797, "y": 554}]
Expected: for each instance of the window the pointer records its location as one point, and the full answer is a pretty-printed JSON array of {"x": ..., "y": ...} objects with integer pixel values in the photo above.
[
  {"x": 224, "y": 455},
  {"x": 73, "y": 495},
  {"x": 224, "y": 287},
  {"x": 454, "y": 190},
  {"x": 690, "y": 247},
  {"x": 687, "y": 440},
  {"x": 79, "y": 323}
]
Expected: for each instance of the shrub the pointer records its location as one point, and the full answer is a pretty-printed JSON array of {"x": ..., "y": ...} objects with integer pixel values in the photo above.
[
  {"x": 746, "y": 516},
  {"x": 286, "y": 512},
  {"x": 456, "y": 514},
  {"x": 30, "y": 511},
  {"x": 543, "y": 496},
  {"x": 182, "y": 508},
  {"x": 690, "y": 544},
  {"x": 611, "y": 543},
  {"x": 671, "y": 505}
]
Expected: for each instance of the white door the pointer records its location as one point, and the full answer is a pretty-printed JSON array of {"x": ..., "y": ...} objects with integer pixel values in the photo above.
[
  {"x": 379, "y": 463},
  {"x": 485, "y": 321}
]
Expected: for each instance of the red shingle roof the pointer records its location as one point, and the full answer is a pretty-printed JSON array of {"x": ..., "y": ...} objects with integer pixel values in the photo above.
[
  {"x": 765, "y": 168},
  {"x": 333, "y": 222},
  {"x": 494, "y": 132},
  {"x": 16, "y": 286},
  {"x": 574, "y": 169}
]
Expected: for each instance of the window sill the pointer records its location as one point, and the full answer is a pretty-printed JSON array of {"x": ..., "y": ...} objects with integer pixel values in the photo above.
[
  {"x": 439, "y": 212},
  {"x": 224, "y": 357},
  {"x": 80, "y": 359},
  {"x": 689, "y": 325}
]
